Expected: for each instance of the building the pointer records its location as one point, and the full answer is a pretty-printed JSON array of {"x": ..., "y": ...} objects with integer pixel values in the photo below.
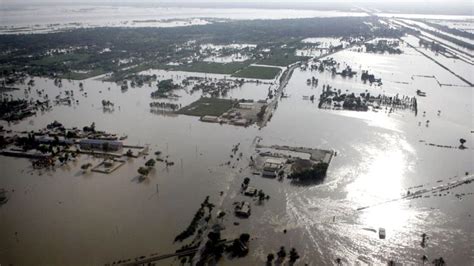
[
  {"x": 240, "y": 122},
  {"x": 246, "y": 105},
  {"x": 210, "y": 119},
  {"x": 59, "y": 141},
  {"x": 99, "y": 144},
  {"x": 271, "y": 167},
  {"x": 242, "y": 209},
  {"x": 250, "y": 191}
]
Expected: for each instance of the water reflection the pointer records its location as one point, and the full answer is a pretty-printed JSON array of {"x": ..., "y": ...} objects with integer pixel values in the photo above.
[{"x": 382, "y": 171}]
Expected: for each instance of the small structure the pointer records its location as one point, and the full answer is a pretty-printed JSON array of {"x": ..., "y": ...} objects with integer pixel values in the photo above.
[
  {"x": 242, "y": 209},
  {"x": 246, "y": 105},
  {"x": 210, "y": 119},
  {"x": 250, "y": 191},
  {"x": 271, "y": 167},
  {"x": 108, "y": 166},
  {"x": 240, "y": 122},
  {"x": 100, "y": 144},
  {"x": 49, "y": 140},
  {"x": 382, "y": 233}
]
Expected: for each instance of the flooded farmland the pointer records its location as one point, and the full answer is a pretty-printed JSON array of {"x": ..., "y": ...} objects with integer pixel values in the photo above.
[{"x": 398, "y": 185}]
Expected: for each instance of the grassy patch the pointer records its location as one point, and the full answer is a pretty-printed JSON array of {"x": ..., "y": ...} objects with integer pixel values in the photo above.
[
  {"x": 80, "y": 76},
  {"x": 61, "y": 59},
  {"x": 122, "y": 74},
  {"x": 282, "y": 57},
  {"x": 207, "y": 106},
  {"x": 282, "y": 60},
  {"x": 257, "y": 72},
  {"x": 211, "y": 67}
]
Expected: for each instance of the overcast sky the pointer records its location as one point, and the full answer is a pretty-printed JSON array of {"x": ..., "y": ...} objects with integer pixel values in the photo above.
[
  {"x": 464, "y": 7},
  {"x": 448, "y": 2}
]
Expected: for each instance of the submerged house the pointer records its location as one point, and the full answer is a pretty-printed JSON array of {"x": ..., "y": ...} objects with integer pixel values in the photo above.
[
  {"x": 271, "y": 167},
  {"x": 100, "y": 144},
  {"x": 242, "y": 209},
  {"x": 210, "y": 119},
  {"x": 59, "y": 141}
]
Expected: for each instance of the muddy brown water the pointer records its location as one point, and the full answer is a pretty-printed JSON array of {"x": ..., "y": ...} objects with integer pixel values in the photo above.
[{"x": 65, "y": 217}]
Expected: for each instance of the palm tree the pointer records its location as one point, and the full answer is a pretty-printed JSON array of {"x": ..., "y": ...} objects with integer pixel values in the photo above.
[
  {"x": 294, "y": 255},
  {"x": 423, "y": 240},
  {"x": 439, "y": 262},
  {"x": 424, "y": 259},
  {"x": 282, "y": 253}
]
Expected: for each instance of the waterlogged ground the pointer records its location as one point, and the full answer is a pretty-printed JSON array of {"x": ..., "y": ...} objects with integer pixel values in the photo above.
[
  {"x": 379, "y": 158},
  {"x": 17, "y": 18},
  {"x": 66, "y": 217}
]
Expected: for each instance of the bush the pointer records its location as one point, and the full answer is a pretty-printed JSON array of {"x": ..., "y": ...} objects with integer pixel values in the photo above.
[{"x": 315, "y": 173}]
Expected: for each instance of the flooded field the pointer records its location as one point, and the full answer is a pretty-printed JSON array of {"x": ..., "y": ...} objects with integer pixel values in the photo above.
[
  {"x": 61, "y": 215},
  {"x": 343, "y": 136},
  {"x": 38, "y": 18}
]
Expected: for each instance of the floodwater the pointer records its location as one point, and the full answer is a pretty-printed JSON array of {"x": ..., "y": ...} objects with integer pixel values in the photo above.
[
  {"x": 50, "y": 17},
  {"x": 63, "y": 15},
  {"x": 65, "y": 217},
  {"x": 379, "y": 158}
]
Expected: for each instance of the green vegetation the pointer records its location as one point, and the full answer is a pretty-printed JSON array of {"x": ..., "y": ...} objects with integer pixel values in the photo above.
[
  {"x": 143, "y": 171},
  {"x": 61, "y": 59},
  {"x": 447, "y": 29},
  {"x": 282, "y": 57},
  {"x": 211, "y": 67},
  {"x": 258, "y": 72},
  {"x": 102, "y": 50},
  {"x": 317, "y": 173},
  {"x": 191, "y": 229},
  {"x": 124, "y": 74},
  {"x": 164, "y": 87},
  {"x": 80, "y": 75},
  {"x": 150, "y": 163},
  {"x": 207, "y": 106}
]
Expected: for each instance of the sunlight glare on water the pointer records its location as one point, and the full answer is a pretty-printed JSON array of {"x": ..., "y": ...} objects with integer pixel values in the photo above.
[{"x": 381, "y": 172}]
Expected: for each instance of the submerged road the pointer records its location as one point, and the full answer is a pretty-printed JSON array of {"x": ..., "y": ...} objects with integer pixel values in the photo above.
[{"x": 441, "y": 65}]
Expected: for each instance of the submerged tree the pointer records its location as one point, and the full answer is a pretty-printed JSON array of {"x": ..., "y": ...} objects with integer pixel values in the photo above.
[
  {"x": 143, "y": 171},
  {"x": 462, "y": 141},
  {"x": 270, "y": 258},
  {"x": 294, "y": 255},
  {"x": 150, "y": 163},
  {"x": 281, "y": 253}
]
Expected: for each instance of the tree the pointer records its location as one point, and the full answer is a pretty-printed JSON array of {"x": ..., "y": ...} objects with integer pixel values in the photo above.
[
  {"x": 86, "y": 166},
  {"x": 143, "y": 171},
  {"x": 261, "y": 196},
  {"x": 439, "y": 262},
  {"x": 270, "y": 258},
  {"x": 424, "y": 259},
  {"x": 150, "y": 163},
  {"x": 281, "y": 253},
  {"x": 294, "y": 255},
  {"x": 316, "y": 173}
]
